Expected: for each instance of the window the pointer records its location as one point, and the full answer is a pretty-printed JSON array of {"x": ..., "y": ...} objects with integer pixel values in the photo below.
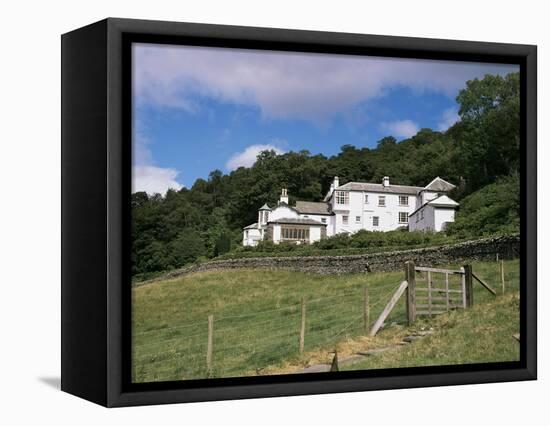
[
  {"x": 403, "y": 217},
  {"x": 324, "y": 220},
  {"x": 294, "y": 234},
  {"x": 403, "y": 200},
  {"x": 375, "y": 221},
  {"x": 358, "y": 219},
  {"x": 345, "y": 219},
  {"x": 417, "y": 217},
  {"x": 422, "y": 214},
  {"x": 382, "y": 200},
  {"x": 342, "y": 197},
  {"x": 246, "y": 233},
  {"x": 366, "y": 198}
]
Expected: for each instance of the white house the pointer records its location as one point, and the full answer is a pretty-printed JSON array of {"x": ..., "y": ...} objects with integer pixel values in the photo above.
[{"x": 352, "y": 207}]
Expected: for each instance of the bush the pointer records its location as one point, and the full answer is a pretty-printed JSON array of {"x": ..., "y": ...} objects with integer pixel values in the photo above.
[
  {"x": 223, "y": 245},
  {"x": 345, "y": 244},
  {"x": 492, "y": 210},
  {"x": 334, "y": 242}
]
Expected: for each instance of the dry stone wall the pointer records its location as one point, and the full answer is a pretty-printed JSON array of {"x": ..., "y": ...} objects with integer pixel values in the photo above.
[{"x": 507, "y": 247}]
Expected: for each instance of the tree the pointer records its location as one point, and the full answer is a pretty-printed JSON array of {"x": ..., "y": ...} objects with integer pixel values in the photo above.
[
  {"x": 480, "y": 153},
  {"x": 187, "y": 247},
  {"x": 489, "y": 131},
  {"x": 223, "y": 245}
]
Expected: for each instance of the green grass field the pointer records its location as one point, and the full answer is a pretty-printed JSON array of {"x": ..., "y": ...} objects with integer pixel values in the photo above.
[
  {"x": 257, "y": 320},
  {"x": 481, "y": 334}
]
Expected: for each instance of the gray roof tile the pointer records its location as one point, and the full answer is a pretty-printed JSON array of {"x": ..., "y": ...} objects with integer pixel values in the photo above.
[
  {"x": 440, "y": 185},
  {"x": 378, "y": 187},
  {"x": 297, "y": 221},
  {"x": 311, "y": 207}
]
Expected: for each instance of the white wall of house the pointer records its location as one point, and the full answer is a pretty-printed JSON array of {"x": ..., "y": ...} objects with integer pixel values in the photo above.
[
  {"x": 431, "y": 218},
  {"x": 423, "y": 219},
  {"x": 428, "y": 196},
  {"x": 364, "y": 207},
  {"x": 442, "y": 216},
  {"x": 251, "y": 236},
  {"x": 324, "y": 219},
  {"x": 276, "y": 233},
  {"x": 314, "y": 233}
]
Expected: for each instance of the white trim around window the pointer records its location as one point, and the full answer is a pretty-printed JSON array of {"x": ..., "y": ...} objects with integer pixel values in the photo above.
[{"x": 342, "y": 197}]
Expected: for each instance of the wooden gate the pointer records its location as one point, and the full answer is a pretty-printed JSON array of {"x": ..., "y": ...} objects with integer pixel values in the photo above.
[{"x": 433, "y": 291}]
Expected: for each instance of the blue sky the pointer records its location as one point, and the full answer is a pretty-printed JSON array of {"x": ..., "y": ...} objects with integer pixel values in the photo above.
[{"x": 201, "y": 109}]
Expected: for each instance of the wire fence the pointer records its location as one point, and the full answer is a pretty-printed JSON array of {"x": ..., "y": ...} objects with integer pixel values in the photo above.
[{"x": 246, "y": 343}]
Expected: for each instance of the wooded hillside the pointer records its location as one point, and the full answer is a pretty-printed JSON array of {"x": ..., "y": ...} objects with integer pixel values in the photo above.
[{"x": 480, "y": 154}]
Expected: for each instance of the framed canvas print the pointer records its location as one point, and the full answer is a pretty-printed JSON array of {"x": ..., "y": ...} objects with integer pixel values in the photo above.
[{"x": 253, "y": 212}]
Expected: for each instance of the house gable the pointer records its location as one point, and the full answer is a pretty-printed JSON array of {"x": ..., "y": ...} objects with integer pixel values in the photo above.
[{"x": 439, "y": 185}]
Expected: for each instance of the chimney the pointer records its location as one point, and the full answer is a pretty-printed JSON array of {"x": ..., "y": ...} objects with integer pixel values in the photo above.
[
  {"x": 386, "y": 181},
  {"x": 336, "y": 182},
  {"x": 284, "y": 196}
]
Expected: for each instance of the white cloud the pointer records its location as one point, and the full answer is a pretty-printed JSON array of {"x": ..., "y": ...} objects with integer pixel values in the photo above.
[
  {"x": 145, "y": 175},
  {"x": 247, "y": 158},
  {"x": 450, "y": 116},
  {"x": 307, "y": 86},
  {"x": 401, "y": 128},
  {"x": 154, "y": 180}
]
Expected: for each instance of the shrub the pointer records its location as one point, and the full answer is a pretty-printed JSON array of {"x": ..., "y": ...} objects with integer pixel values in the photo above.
[{"x": 494, "y": 209}]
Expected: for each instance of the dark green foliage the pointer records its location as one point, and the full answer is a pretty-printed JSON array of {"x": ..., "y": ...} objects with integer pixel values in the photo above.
[
  {"x": 187, "y": 247},
  {"x": 493, "y": 209},
  {"x": 206, "y": 220},
  {"x": 489, "y": 130},
  {"x": 345, "y": 244},
  {"x": 223, "y": 245}
]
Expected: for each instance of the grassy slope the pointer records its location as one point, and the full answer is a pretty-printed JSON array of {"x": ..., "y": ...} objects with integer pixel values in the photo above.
[
  {"x": 257, "y": 322},
  {"x": 482, "y": 334}
]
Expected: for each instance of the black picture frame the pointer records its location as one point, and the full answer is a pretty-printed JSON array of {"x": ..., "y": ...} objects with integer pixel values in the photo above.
[{"x": 96, "y": 186}]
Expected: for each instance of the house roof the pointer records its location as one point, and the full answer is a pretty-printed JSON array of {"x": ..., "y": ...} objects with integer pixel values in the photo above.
[
  {"x": 441, "y": 201},
  {"x": 297, "y": 221},
  {"x": 310, "y": 207},
  {"x": 439, "y": 185},
  {"x": 265, "y": 207},
  {"x": 378, "y": 187},
  {"x": 254, "y": 225}
]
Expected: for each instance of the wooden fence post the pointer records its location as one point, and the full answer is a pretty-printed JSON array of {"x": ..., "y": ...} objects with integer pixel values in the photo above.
[
  {"x": 366, "y": 310},
  {"x": 210, "y": 342},
  {"x": 502, "y": 276},
  {"x": 447, "y": 303},
  {"x": 410, "y": 277},
  {"x": 303, "y": 326},
  {"x": 468, "y": 287}
]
